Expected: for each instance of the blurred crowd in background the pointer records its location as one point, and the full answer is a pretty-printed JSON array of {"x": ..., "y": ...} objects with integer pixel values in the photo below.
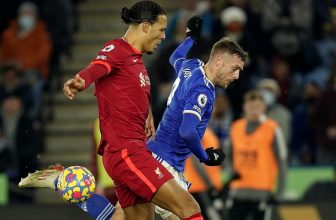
[
  {"x": 292, "y": 63},
  {"x": 34, "y": 37}
]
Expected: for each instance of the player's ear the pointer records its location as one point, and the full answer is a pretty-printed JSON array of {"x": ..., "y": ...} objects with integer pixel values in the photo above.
[
  {"x": 146, "y": 27},
  {"x": 218, "y": 60}
]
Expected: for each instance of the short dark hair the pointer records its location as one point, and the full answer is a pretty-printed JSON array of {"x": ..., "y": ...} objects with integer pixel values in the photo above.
[
  {"x": 227, "y": 45},
  {"x": 253, "y": 95},
  {"x": 142, "y": 11}
]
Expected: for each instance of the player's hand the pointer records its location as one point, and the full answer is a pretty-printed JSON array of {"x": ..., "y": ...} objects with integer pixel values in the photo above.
[
  {"x": 73, "y": 86},
  {"x": 149, "y": 127},
  {"x": 216, "y": 156},
  {"x": 194, "y": 28}
]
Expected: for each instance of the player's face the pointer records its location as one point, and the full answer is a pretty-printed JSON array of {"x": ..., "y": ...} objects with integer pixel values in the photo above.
[
  {"x": 229, "y": 68},
  {"x": 155, "y": 34}
]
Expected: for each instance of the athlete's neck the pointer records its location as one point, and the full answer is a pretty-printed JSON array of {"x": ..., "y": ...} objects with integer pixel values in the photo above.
[
  {"x": 132, "y": 38},
  {"x": 209, "y": 72}
]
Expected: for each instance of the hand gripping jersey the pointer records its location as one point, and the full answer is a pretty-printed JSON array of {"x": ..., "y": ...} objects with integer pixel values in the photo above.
[
  {"x": 123, "y": 97},
  {"x": 192, "y": 93}
]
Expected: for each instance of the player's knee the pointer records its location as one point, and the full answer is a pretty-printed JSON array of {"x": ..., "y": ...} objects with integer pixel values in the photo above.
[
  {"x": 188, "y": 208},
  {"x": 191, "y": 209}
]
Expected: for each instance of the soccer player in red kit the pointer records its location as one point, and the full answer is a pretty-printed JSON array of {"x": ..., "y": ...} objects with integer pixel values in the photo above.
[{"x": 122, "y": 89}]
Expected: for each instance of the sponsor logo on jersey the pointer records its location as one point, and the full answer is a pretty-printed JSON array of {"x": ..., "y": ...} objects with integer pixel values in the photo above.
[
  {"x": 101, "y": 57},
  {"x": 186, "y": 73},
  {"x": 159, "y": 173},
  {"x": 108, "y": 48},
  {"x": 144, "y": 80},
  {"x": 135, "y": 60},
  {"x": 202, "y": 100},
  {"x": 198, "y": 109}
]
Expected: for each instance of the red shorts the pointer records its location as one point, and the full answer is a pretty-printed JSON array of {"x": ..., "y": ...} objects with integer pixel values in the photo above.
[{"x": 137, "y": 175}]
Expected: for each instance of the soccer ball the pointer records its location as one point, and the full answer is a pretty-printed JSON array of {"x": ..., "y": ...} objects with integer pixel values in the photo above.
[{"x": 76, "y": 184}]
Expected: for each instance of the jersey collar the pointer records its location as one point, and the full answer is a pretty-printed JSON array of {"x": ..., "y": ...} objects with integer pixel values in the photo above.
[
  {"x": 205, "y": 77},
  {"x": 133, "y": 48}
]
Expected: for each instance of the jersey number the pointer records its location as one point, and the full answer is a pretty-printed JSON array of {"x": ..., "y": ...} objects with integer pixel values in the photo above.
[{"x": 175, "y": 85}]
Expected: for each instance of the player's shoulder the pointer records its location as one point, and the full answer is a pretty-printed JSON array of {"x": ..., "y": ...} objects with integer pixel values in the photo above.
[
  {"x": 192, "y": 63},
  {"x": 116, "y": 41},
  {"x": 188, "y": 67},
  {"x": 199, "y": 79},
  {"x": 114, "y": 44},
  {"x": 116, "y": 48}
]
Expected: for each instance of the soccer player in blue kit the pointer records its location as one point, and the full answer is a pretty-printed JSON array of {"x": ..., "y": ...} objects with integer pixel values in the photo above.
[{"x": 190, "y": 105}]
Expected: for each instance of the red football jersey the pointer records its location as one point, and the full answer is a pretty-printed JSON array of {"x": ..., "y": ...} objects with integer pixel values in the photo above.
[{"x": 123, "y": 97}]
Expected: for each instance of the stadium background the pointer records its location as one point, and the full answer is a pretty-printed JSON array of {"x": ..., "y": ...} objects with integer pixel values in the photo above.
[{"x": 65, "y": 127}]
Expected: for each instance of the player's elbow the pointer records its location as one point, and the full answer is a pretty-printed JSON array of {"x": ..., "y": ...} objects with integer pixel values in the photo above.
[{"x": 186, "y": 134}]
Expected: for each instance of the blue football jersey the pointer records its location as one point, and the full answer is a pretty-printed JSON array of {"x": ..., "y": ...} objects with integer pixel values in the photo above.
[{"x": 192, "y": 93}]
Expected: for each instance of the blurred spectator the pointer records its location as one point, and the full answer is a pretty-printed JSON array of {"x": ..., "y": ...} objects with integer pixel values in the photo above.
[
  {"x": 281, "y": 73},
  {"x": 289, "y": 31},
  {"x": 205, "y": 180},
  {"x": 303, "y": 142},
  {"x": 18, "y": 148},
  {"x": 252, "y": 10},
  {"x": 221, "y": 117},
  {"x": 26, "y": 43},
  {"x": 270, "y": 92},
  {"x": 327, "y": 49},
  {"x": 259, "y": 158},
  {"x": 234, "y": 20},
  {"x": 325, "y": 123},
  {"x": 11, "y": 84}
]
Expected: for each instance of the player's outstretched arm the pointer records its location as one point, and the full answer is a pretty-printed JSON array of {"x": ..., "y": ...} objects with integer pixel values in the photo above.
[
  {"x": 180, "y": 53},
  {"x": 188, "y": 132},
  {"x": 83, "y": 79},
  {"x": 193, "y": 32}
]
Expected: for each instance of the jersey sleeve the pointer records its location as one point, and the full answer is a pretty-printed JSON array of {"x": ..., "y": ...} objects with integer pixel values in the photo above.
[
  {"x": 199, "y": 101},
  {"x": 180, "y": 54},
  {"x": 112, "y": 56}
]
